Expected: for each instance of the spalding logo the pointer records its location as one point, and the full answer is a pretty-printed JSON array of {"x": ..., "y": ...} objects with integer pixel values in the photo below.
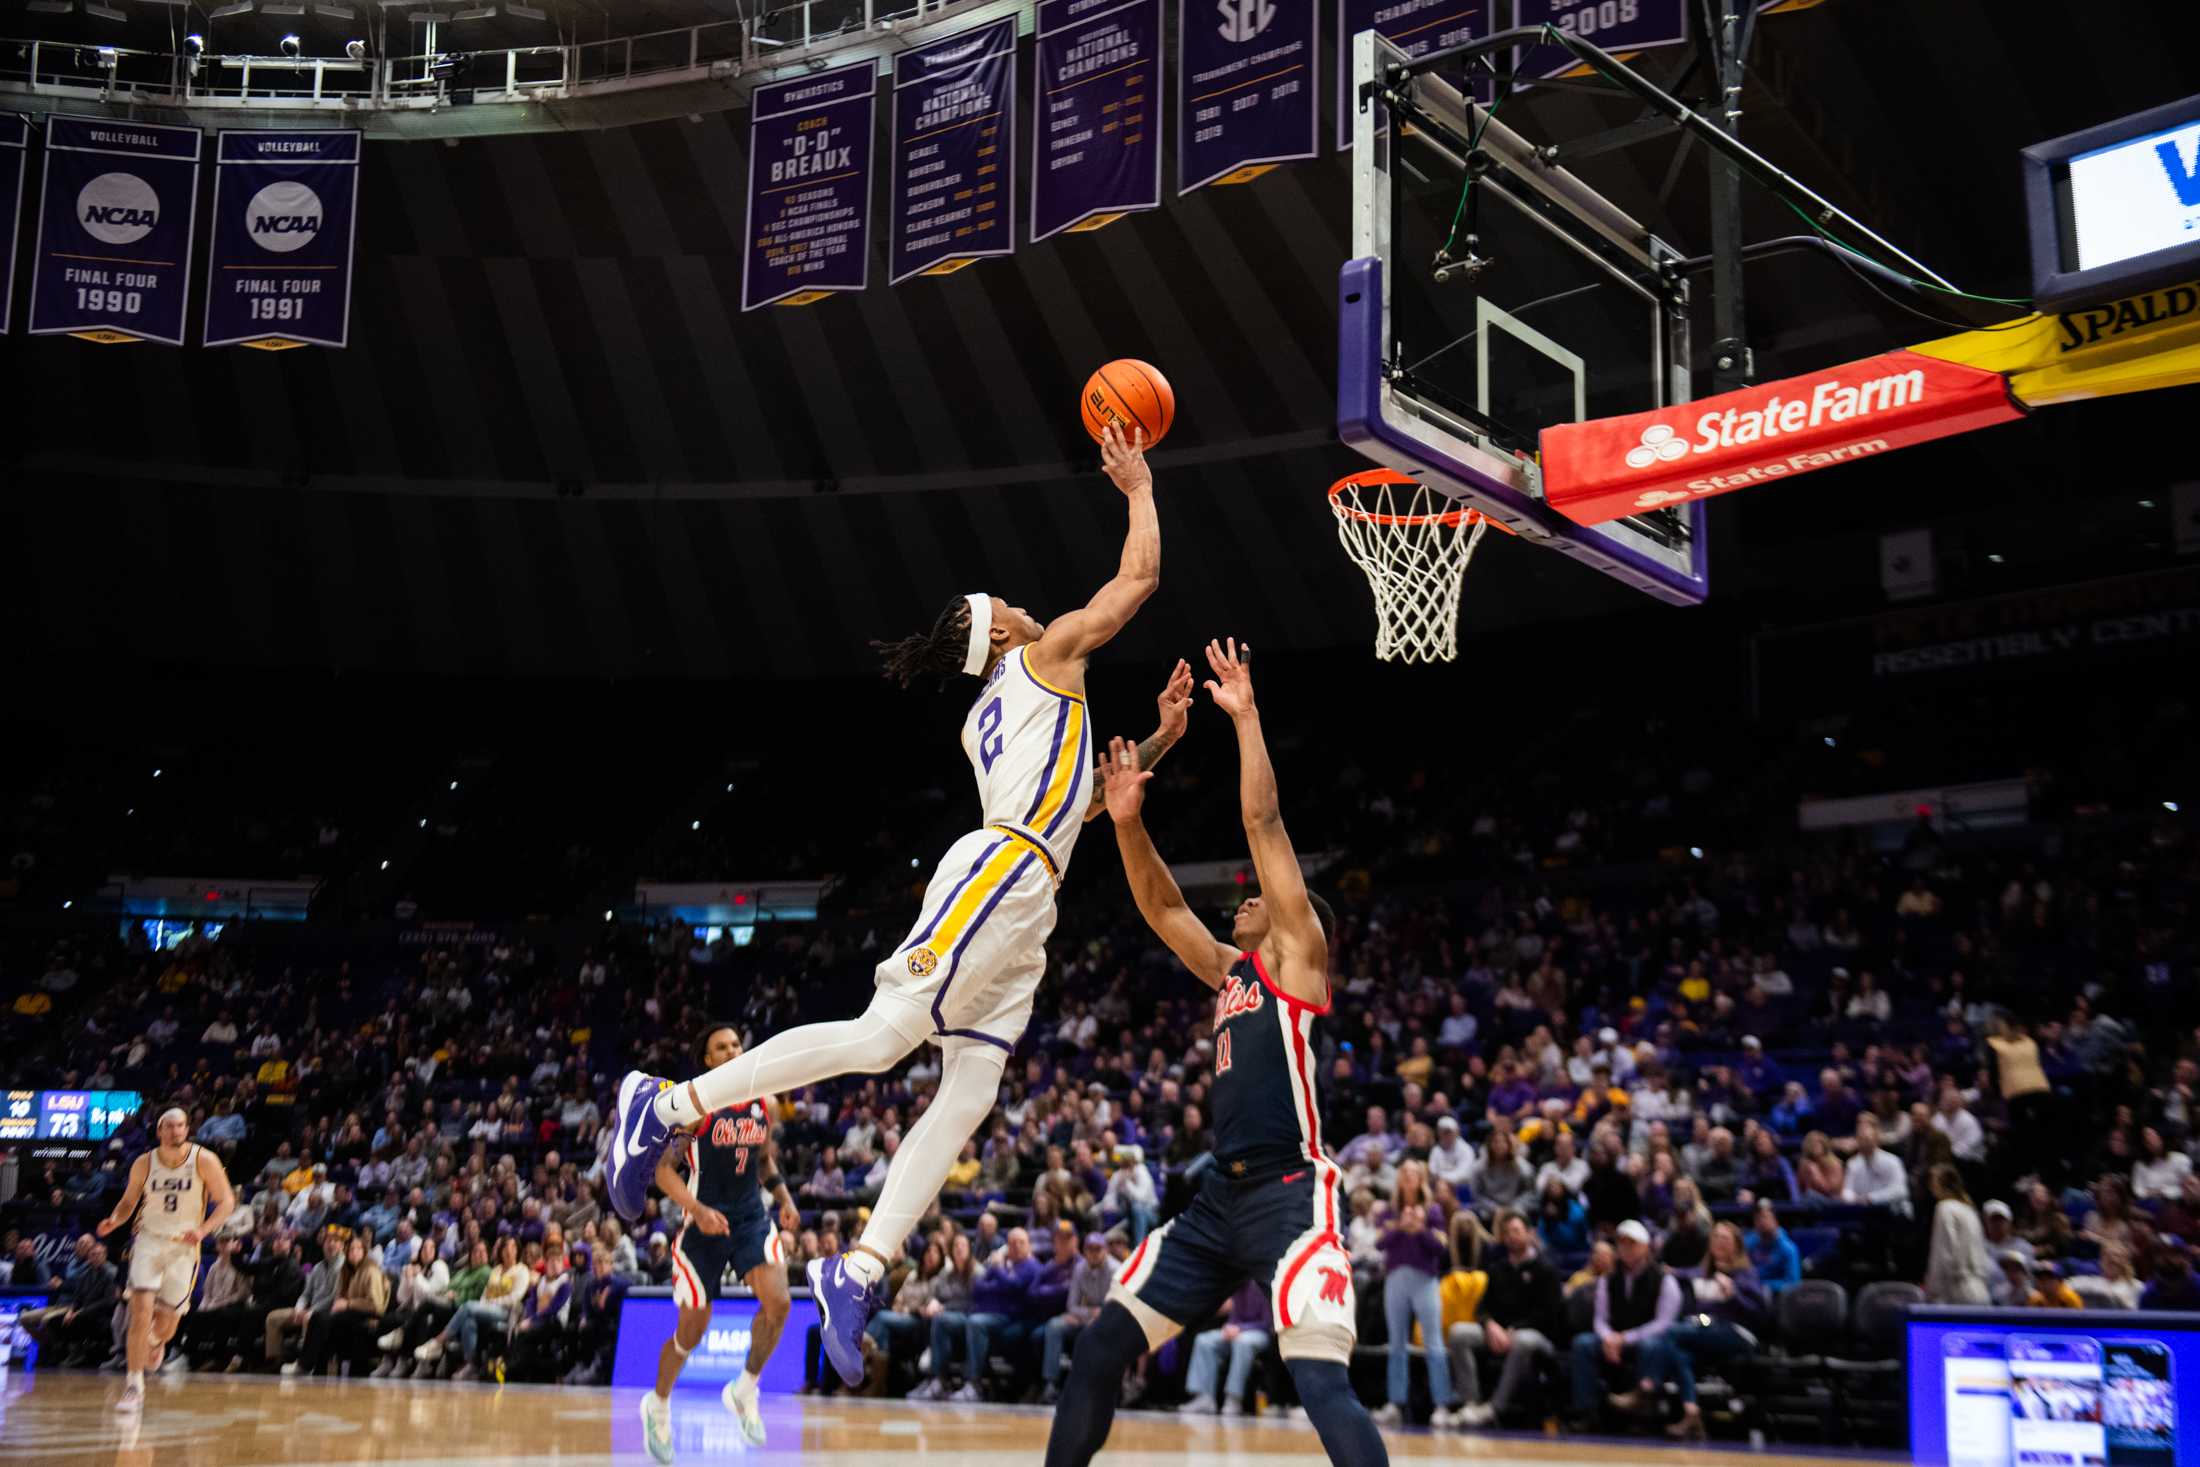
[
  {"x": 922, "y": 961},
  {"x": 118, "y": 208},
  {"x": 283, "y": 217}
]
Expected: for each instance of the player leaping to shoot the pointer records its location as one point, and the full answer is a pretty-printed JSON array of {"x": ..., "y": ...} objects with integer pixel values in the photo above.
[
  {"x": 176, "y": 1181},
  {"x": 965, "y": 976},
  {"x": 1268, "y": 1210}
]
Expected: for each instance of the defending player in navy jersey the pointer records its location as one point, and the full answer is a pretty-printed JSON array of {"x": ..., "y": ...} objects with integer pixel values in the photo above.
[
  {"x": 1269, "y": 1209},
  {"x": 731, "y": 1165}
]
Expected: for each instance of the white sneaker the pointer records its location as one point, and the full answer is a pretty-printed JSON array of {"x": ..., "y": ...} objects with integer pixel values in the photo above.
[
  {"x": 430, "y": 1352},
  {"x": 131, "y": 1399},
  {"x": 930, "y": 1390},
  {"x": 1443, "y": 1418},
  {"x": 290, "y": 1367},
  {"x": 1388, "y": 1415},
  {"x": 745, "y": 1407},
  {"x": 1479, "y": 1414},
  {"x": 175, "y": 1364},
  {"x": 391, "y": 1340},
  {"x": 1198, "y": 1406},
  {"x": 968, "y": 1395},
  {"x": 657, "y": 1426}
]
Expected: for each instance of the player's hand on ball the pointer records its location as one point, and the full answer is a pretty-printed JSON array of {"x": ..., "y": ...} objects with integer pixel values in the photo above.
[
  {"x": 710, "y": 1220},
  {"x": 1232, "y": 685},
  {"x": 1123, "y": 780},
  {"x": 1124, "y": 459},
  {"x": 1176, "y": 700}
]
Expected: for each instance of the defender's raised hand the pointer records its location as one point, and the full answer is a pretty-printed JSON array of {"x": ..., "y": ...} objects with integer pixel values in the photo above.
[
  {"x": 1176, "y": 701},
  {"x": 1123, "y": 458},
  {"x": 1123, "y": 780},
  {"x": 1232, "y": 685}
]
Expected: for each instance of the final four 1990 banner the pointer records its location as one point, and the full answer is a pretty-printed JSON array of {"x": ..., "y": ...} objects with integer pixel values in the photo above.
[
  {"x": 278, "y": 272},
  {"x": 954, "y": 151},
  {"x": 15, "y": 137},
  {"x": 1244, "y": 88},
  {"x": 810, "y": 187},
  {"x": 1096, "y": 132},
  {"x": 114, "y": 230}
]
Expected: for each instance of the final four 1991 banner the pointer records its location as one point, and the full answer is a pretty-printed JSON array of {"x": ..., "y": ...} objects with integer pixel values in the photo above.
[
  {"x": 1244, "y": 88},
  {"x": 1096, "y": 131},
  {"x": 954, "y": 151},
  {"x": 810, "y": 187},
  {"x": 15, "y": 137},
  {"x": 114, "y": 230},
  {"x": 278, "y": 271}
]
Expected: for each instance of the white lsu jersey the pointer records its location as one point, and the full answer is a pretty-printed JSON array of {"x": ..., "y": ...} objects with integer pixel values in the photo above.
[
  {"x": 175, "y": 1200},
  {"x": 1030, "y": 744}
]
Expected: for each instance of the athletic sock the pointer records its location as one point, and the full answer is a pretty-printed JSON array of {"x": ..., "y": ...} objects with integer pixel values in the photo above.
[
  {"x": 745, "y": 1383},
  {"x": 137, "y": 1378},
  {"x": 865, "y": 1266}
]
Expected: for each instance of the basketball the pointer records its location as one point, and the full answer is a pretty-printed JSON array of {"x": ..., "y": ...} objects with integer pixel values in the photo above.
[{"x": 1132, "y": 393}]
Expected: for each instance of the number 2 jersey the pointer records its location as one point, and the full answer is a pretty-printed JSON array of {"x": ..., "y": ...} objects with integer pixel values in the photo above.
[{"x": 1030, "y": 744}]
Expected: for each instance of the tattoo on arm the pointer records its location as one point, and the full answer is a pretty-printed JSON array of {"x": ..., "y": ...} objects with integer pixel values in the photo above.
[{"x": 1156, "y": 744}]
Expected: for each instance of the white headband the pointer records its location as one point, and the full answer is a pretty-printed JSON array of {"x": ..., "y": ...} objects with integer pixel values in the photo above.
[{"x": 981, "y": 633}]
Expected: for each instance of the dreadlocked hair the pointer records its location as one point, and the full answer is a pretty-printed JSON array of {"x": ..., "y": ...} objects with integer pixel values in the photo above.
[{"x": 938, "y": 653}]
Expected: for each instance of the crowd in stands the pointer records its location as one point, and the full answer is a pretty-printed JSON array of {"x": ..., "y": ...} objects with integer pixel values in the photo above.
[{"x": 1592, "y": 1124}]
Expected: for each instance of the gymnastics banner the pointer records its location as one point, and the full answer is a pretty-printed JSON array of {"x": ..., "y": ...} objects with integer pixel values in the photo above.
[
  {"x": 114, "y": 230},
  {"x": 15, "y": 139},
  {"x": 1245, "y": 81},
  {"x": 810, "y": 187},
  {"x": 954, "y": 151},
  {"x": 1096, "y": 132},
  {"x": 1622, "y": 27},
  {"x": 286, "y": 208},
  {"x": 1415, "y": 27}
]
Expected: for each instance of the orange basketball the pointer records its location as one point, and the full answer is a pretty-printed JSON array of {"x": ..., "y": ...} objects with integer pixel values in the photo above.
[{"x": 1132, "y": 393}]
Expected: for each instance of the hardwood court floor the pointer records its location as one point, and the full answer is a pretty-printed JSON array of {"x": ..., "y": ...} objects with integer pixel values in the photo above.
[{"x": 67, "y": 1420}]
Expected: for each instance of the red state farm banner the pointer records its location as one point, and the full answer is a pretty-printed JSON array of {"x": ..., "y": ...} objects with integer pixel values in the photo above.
[{"x": 1609, "y": 468}]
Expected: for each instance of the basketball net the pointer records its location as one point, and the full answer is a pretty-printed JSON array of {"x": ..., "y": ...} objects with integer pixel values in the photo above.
[{"x": 1413, "y": 544}]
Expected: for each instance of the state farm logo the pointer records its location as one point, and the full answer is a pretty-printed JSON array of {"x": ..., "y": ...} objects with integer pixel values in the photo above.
[
  {"x": 1829, "y": 401},
  {"x": 1658, "y": 443},
  {"x": 283, "y": 217},
  {"x": 1244, "y": 19},
  {"x": 118, "y": 208}
]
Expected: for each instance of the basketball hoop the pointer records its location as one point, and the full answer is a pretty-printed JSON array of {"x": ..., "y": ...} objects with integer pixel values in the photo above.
[{"x": 1413, "y": 543}]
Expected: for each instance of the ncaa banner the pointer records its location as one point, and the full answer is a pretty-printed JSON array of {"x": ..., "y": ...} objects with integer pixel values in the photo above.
[
  {"x": 1244, "y": 89},
  {"x": 810, "y": 187},
  {"x": 954, "y": 151},
  {"x": 15, "y": 139},
  {"x": 1096, "y": 132},
  {"x": 286, "y": 206},
  {"x": 1622, "y": 27},
  {"x": 1415, "y": 27},
  {"x": 114, "y": 230}
]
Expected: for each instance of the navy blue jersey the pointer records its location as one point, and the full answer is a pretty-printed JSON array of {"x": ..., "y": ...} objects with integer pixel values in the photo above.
[
  {"x": 1265, "y": 1115},
  {"x": 726, "y": 1161}
]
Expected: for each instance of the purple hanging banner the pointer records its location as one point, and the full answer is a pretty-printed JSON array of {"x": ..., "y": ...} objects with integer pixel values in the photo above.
[
  {"x": 1621, "y": 27},
  {"x": 810, "y": 187},
  {"x": 286, "y": 214},
  {"x": 1415, "y": 27},
  {"x": 114, "y": 230},
  {"x": 1246, "y": 74},
  {"x": 15, "y": 141},
  {"x": 954, "y": 151},
  {"x": 1096, "y": 131}
]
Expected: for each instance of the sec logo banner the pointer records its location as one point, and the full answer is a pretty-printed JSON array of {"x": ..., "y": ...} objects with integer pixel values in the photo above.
[
  {"x": 118, "y": 208},
  {"x": 283, "y": 216}
]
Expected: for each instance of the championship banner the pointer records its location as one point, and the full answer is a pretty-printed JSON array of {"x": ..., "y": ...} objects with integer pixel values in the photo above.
[
  {"x": 15, "y": 139},
  {"x": 1096, "y": 133},
  {"x": 1415, "y": 27},
  {"x": 114, "y": 230},
  {"x": 1609, "y": 468},
  {"x": 286, "y": 210},
  {"x": 954, "y": 151},
  {"x": 810, "y": 187},
  {"x": 2135, "y": 344},
  {"x": 1245, "y": 89},
  {"x": 1622, "y": 27}
]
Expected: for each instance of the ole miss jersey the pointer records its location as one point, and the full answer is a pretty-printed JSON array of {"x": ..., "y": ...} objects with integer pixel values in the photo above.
[
  {"x": 726, "y": 1159},
  {"x": 1265, "y": 1115}
]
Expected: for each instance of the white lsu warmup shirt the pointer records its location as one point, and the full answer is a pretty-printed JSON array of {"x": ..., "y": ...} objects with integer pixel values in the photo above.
[{"x": 174, "y": 1203}]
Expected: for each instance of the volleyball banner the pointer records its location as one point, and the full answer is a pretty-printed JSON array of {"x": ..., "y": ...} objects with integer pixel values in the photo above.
[
  {"x": 1096, "y": 131},
  {"x": 113, "y": 261},
  {"x": 1415, "y": 27},
  {"x": 15, "y": 140},
  {"x": 1622, "y": 27},
  {"x": 1245, "y": 88},
  {"x": 809, "y": 230},
  {"x": 954, "y": 151},
  {"x": 286, "y": 209}
]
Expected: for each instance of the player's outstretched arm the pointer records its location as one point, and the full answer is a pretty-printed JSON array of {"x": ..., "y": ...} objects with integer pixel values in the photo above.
[
  {"x": 1176, "y": 707},
  {"x": 1076, "y": 635},
  {"x": 1160, "y": 900},
  {"x": 216, "y": 1179},
  {"x": 1275, "y": 862},
  {"x": 127, "y": 1206},
  {"x": 707, "y": 1218}
]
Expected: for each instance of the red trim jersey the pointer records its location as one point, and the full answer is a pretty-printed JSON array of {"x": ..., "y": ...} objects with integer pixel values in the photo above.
[{"x": 1267, "y": 1117}]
